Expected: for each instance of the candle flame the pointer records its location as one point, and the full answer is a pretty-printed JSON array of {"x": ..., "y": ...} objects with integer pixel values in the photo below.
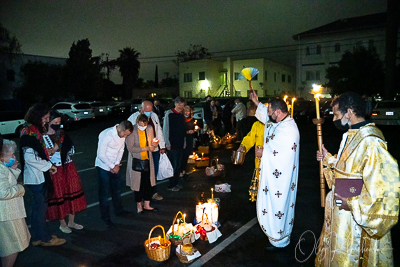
[
  {"x": 317, "y": 96},
  {"x": 293, "y": 99},
  {"x": 284, "y": 99}
]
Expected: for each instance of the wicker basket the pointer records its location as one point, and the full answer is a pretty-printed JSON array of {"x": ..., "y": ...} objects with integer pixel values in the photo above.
[
  {"x": 158, "y": 254},
  {"x": 203, "y": 162},
  {"x": 182, "y": 256},
  {"x": 204, "y": 237}
]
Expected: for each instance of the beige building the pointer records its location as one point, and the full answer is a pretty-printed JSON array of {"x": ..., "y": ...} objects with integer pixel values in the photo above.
[
  {"x": 322, "y": 47},
  {"x": 199, "y": 78}
]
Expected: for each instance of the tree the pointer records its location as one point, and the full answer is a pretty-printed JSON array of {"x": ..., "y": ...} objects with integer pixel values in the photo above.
[
  {"x": 9, "y": 44},
  {"x": 194, "y": 52},
  {"x": 129, "y": 66},
  {"x": 83, "y": 71},
  {"x": 360, "y": 72}
]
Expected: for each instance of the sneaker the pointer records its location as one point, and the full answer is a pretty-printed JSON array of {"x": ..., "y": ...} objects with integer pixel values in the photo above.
[
  {"x": 75, "y": 226},
  {"x": 65, "y": 230},
  {"x": 156, "y": 196},
  {"x": 55, "y": 241}
]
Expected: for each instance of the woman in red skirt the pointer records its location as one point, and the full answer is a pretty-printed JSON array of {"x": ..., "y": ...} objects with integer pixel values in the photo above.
[{"x": 68, "y": 197}]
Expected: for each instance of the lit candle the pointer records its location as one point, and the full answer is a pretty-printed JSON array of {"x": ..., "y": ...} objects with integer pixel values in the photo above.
[
  {"x": 184, "y": 220},
  {"x": 177, "y": 221},
  {"x": 202, "y": 155},
  {"x": 293, "y": 99},
  {"x": 284, "y": 99},
  {"x": 316, "y": 91},
  {"x": 212, "y": 194},
  {"x": 196, "y": 128}
]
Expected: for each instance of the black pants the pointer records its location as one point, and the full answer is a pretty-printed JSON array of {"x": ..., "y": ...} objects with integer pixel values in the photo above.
[
  {"x": 240, "y": 129},
  {"x": 146, "y": 191}
]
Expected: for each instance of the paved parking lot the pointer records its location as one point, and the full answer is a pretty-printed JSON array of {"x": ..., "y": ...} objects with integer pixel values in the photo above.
[{"x": 242, "y": 242}]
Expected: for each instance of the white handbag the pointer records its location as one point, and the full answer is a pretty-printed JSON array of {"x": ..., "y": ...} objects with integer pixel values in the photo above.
[{"x": 165, "y": 169}]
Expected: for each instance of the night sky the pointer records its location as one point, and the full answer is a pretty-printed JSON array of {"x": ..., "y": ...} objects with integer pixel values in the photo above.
[{"x": 161, "y": 28}]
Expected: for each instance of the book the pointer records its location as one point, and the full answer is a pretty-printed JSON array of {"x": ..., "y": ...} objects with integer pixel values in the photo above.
[{"x": 348, "y": 187}]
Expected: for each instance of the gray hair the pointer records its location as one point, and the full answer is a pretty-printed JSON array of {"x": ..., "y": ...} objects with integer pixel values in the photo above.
[
  {"x": 179, "y": 99},
  {"x": 8, "y": 146}
]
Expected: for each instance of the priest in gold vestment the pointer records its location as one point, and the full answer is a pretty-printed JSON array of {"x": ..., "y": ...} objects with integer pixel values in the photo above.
[{"x": 357, "y": 233}]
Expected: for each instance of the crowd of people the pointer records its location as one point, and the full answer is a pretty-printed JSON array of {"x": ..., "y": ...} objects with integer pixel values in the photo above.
[{"x": 361, "y": 224}]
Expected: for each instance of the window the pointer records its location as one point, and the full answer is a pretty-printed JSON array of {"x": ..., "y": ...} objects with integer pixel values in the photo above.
[
  {"x": 371, "y": 44},
  {"x": 318, "y": 75},
  {"x": 188, "y": 94},
  {"x": 337, "y": 47},
  {"x": 289, "y": 78},
  {"x": 10, "y": 75},
  {"x": 274, "y": 76},
  {"x": 308, "y": 52},
  {"x": 236, "y": 76},
  {"x": 283, "y": 78},
  {"x": 265, "y": 76},
  {"x": 310, "y": 75},
  {"x": 318, "y": 50},
  {"x": 187, "y": 77},
  {"x": 202, "y": 75},
  {"x": 62, "y": 106},
  {"x": 255, "y": 78},
  {"x": 238, "y": 93}
]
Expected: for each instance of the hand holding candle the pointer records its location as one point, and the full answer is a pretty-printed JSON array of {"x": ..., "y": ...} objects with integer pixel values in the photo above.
[{"x": 155, "y": 142}]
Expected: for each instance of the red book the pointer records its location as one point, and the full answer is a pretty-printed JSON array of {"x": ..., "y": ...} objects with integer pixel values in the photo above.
[{"x": 348, "y": 187}]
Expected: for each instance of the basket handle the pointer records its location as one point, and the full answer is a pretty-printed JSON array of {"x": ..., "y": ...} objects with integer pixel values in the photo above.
[
  {"x": 151, "y": 231},
  {"x": 173, "y": 222},
  {"x": 212, "y": 163},
  {"x": 202, "y": 217}
]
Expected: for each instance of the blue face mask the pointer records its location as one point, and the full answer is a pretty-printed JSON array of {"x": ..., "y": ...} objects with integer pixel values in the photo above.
[
  {"x": 10, "y": 163},
  {"x": 147, "y": 113}
]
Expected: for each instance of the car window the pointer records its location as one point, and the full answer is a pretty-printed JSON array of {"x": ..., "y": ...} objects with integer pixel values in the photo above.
[
  {"x": 62, "y": 106},
  {"x": 82, "y": 106},
  {"x": 388, "y": 105}
]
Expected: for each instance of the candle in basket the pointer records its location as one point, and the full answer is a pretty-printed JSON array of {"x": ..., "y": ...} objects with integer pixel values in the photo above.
[
  {"x": 212, "y": 194},
  {"x": 184, "y": 221},
  {"x": 211, "y": 209},
  {"x": 202, "y": 155}
]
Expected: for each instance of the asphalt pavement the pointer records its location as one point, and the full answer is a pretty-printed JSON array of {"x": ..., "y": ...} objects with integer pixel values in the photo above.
[{"x": 242, "y": 242}]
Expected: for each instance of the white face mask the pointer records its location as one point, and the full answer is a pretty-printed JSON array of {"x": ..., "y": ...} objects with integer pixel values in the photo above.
[{"x": 142, "y": 128}]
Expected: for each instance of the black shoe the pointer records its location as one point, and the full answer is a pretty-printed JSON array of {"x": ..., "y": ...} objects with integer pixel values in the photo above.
[
  {"x": 154, "y": 209},
  {"x": 270, "y": 247},
  {"x": 110, "y": 224}
]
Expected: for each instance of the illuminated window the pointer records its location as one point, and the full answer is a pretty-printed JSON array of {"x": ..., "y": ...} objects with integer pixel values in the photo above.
[
  {"x": 187, "y": 77},
  {"x": 202, "y": 75}
]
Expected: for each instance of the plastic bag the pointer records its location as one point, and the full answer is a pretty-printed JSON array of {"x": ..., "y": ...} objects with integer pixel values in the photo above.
[
  {"x": 165, "y": 169},
  {"x": 223, "y": 188}
]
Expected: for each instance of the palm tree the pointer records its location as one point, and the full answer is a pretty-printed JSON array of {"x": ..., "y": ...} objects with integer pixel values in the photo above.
[{"x": 129, "y": 66}]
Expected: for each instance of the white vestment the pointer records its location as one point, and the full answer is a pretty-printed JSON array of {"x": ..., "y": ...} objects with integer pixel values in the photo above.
[{"x": 278, "y": 178}]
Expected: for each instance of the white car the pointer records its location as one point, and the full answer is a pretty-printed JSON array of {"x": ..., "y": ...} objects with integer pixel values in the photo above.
[
  {"x": 386, "y": 112},
  {"x": 11, "y": 122},
  {"x": 75, "y": 110},
  {"x": 100, "y": 108}
]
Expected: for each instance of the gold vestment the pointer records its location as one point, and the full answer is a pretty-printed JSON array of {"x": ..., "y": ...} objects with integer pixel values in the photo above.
[
  {"x": 254, "y": 137},
  {"x": 361, "y": 236}
]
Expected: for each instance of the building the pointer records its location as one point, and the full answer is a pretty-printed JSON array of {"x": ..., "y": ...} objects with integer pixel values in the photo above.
[
  {"x": 199, "y": 78},
  {"x": 322, "y": 47},
  {"x": 10, "y": 71}
]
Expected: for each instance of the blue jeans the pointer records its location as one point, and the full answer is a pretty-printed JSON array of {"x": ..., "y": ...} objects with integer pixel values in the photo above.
[
  {"x": 39, "y": 230},
  {"x": 109, "y": 180},
  {"x": 175, "y": 157},
  {"x": 156, "y": 160}
]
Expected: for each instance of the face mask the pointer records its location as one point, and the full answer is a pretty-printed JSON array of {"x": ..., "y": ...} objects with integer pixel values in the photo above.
[
  {"x": 10, "y": 163},
  {"x": 339, "y": 126},
  {"x": 142, "y": 128},
  {"x": 271, "y": 119},
  {"x": 147, "y": 113},
  {"x": 55, "y": 127},
  {"x": 345, "y": 123}
]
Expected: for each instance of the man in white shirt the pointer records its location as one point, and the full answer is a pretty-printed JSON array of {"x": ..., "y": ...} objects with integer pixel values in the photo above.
[
  {"x": 108, "y": 161},
  {"x": 240, "y": 112},
  {"x": 147, "y": 109}
]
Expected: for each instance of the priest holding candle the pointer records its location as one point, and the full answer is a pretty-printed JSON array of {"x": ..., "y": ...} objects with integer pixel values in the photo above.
[{"x": 277, "y": 189}]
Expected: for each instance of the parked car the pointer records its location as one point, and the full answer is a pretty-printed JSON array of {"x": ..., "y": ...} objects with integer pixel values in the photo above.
[
  {"x": 386, "y": 112},
  {"x": 75, "y": 111},
  {"x": 100, "y": 108},
  {"x": 11, "y": 122},
  {"x": 304, "y": 110},
  {"x": 120, "y": 109},
  {"x": 326, "y": 110},
  {"x": 135, "y": 105}
]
